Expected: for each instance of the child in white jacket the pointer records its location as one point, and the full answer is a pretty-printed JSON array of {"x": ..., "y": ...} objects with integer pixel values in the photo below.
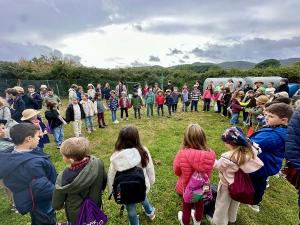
[
  {"x": 242, "y": 155},
  {"x": 130, "y": 153},
  {"x": 89, "y": 111}
]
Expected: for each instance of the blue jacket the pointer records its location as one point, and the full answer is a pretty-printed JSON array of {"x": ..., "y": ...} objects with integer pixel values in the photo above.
[
  {"x": 169, "y": 100},
  {"x": 113, "y": 104},
  {"x": 30, "y": 176},
  {"x": 271, "y": 141},
  {"x": 32, "y": 102},
  {"x": 16, "y": 109},
  {"x": 292, "y": 144}
]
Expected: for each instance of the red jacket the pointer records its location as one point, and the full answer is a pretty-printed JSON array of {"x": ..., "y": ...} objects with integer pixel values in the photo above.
[
  {"x": 235, "y": 106},
  {"x": 160, "y": 99},
  {"x": 121, "y": 103},
  {"x": 189, "y": 160}
]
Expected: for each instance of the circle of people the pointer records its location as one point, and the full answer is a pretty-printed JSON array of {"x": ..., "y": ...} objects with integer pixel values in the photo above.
[{"x": 34, "y": 187}]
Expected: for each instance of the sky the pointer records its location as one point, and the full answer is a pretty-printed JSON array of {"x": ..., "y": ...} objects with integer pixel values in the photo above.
[{"x": 130, "y": 33}]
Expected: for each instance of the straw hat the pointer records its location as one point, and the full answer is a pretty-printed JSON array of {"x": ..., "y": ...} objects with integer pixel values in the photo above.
[
  {"x": 262, "y": 99},
  {"x": 258, "y": 81},
  {"x": 43, "y": 86},
  {"x": 29, "y": 113}
]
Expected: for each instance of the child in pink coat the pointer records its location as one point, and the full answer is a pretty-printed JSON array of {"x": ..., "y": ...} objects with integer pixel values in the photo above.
[
  {"x": 242, "y": 155},
  {"x": 207, "y": 96},
  {"x": 194, "y": 156}
]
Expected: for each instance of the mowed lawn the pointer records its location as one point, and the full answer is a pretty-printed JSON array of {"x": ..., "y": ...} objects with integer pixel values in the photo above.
[{"x": 163, "y": 137}]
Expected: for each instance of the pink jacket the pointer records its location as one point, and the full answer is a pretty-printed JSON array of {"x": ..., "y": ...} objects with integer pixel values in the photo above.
[
  {"x": 189, "y": 160},
  {"x": 227, "y": 168},
  {"x": 207, "y": 94}
]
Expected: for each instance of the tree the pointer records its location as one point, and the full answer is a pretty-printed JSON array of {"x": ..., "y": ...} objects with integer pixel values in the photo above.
[{"x": 268, "y": 63}]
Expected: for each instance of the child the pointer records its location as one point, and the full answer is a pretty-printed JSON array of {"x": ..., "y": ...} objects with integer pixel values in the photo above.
[
  {"x": 207, "y": 96},
  {"x": 85, "y": 177},
  {"x": 124, "y": 104},
  {"x": 137, "y": 103},
  {"x": 160, "y": 101},
  {"x": 31, "y": 116},
  {"x": 91, "y": 92},
  {"x": 248, "y": 102},
  {"x": 175, "y": 95},
  {"x": 149, "y": 101},
  {"x": 271, "y": 140},
  {"x": 52, "y": 98},
  {"x": 195, "y": 155},
  {"x": 55, "y": 122},
  {"x": 169, "y": 101},
  {"x": 129, "y": 152},
  {"x": 89, "y": 111},
  {"x": 270, "y": 90},
  {"x": 185, "y": 97},
  {"x": 75, "y": 114},
  {"x": 225, "y": 101},
  {"x": 195, "y": 95},
  {"x": 5, "y": 143},
  {"x": 235, "y": 108},
  {"x": 242, "y": 155},
  {"x": 113, "y": 106},
  {"x": 258, "y": 109},
  {"x": 99, "y": 108},
  {"x": 26, "y": 169}
]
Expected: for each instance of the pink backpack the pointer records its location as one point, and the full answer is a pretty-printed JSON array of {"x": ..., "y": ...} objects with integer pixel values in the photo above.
[{"x": 198, "y": 188}]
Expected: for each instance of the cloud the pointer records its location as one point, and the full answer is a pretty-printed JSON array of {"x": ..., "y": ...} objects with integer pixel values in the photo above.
[
  {"x": 185, "y": 57},
  {"x": 181, "y": 61},
  {"x": 10, "y": 51},
  {"x": 136, "y": 63},
  {"x": 253, "y": 49},
  {"x": 174, "y": 51},
  {"x": 154, "y": 58}
]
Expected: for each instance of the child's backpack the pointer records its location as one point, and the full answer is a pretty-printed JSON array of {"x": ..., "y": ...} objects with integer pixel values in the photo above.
[
  {"x": 241, "y": 190},
  {"x": 129, "y": 186},
  {"x": 90, "y": 213},
  {"x": 198, "y": 189}
]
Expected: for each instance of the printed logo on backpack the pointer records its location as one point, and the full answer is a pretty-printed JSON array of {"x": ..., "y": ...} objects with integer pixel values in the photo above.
[{"x": 198, "y": 188}]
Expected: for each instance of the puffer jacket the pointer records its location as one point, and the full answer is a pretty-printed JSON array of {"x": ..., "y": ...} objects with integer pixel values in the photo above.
[
  {"x": 88, "y": 107},
  {"x": 189, "y": 160},
  {"x": 292, "y": 144},
  {"x": 127, "y": 159}
]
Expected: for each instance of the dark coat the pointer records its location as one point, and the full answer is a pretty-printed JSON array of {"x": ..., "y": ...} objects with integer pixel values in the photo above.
[
  {"x": 284, "y": 87},
  {"x": 53, "y": 120},
  {"x": 169, "y": 100},
  {"x": 70, "y": 113},
  {"x": 30, "y": 176},
  {"x": 33, "y": 102},
  {"x": 90, "y": 182},
  {"x": 106, "y": 93},
  {"x": 16, "y": 109},
  {"x": 292, "y": 144},
  {"x": 235, "y": 106}
]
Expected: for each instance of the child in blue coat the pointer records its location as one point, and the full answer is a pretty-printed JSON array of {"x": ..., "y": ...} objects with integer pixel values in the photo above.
[
  {"x": 113, "y": 105},
  {"x": 271, "y": 140}
]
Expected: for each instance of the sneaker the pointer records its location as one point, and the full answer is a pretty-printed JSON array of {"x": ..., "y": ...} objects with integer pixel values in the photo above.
[
  {"x": 194, "y": 219},
  {"x": 209, "y": 218},
  {"x": 93, "y": 129},
  {"x": 152, "y": 215},
  {"x": 126, "y": 118},
  {"x": 180, "y": 217},
  {"x": 254, "y": 207},
  {"x": 116, "y": 121}
]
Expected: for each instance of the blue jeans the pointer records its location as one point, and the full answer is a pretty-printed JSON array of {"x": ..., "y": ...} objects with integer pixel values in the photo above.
[
  {"x": 234, "y": 118},
  {"x": 58, "y": 133},
  {"x": 194, "y": 105},
  {"x": 114, "y": 115},
  {"x": 89, "y": 122},
  {"x": 206, "y": 105},
  {"x": 132, "y": 215}
]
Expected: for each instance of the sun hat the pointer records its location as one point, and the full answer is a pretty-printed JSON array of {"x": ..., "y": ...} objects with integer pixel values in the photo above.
[
  {"x": 29, "y": 113},
  {"x": 262, "y": 99},
  {"x": 43, "y": 86},
  {"x": 258, "y": 81},
  {"x": 235, "y": 136},
  {"x": 90, "y": 85}
]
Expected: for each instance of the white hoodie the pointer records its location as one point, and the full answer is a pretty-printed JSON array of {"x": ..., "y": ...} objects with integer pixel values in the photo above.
[{"x": 127, "y": 159}]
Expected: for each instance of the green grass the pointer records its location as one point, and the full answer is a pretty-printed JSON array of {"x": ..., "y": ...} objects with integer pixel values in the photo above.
[{"x": 163, "y": 137}]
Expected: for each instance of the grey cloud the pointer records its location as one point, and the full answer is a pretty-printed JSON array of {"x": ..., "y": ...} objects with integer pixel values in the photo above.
[
  {"x": 181, "y": 61},
  {"x": 185, "y": 57},
  {"x": 174, "y": 51},
  {"x": 10, "y": 51},
  {"x": 137, "y": 27},
  {"x": 254, "y": 49},
  {"x": 136, "y": 63},
  {"x": 154, "y": 58}
]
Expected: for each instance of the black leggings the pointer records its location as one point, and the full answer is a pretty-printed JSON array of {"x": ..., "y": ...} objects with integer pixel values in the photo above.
[{"x": 126, "y": 112}]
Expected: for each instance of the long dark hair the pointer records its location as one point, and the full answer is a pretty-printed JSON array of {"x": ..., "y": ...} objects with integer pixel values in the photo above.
[{"x": 129, "y": 138}]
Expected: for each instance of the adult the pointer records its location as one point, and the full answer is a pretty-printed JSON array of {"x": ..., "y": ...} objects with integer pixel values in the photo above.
[
  {"x": 259, "y": 85},
  {"x": 32, "y": 99},
  {"x": 169, "y": 86},
  {"x": 43, "y": 91},
  {"x": 120, "y": 88},
  {"x": 156, "y": 88},
  {"x": 292, "y": 144},
  {"x": 5, "y": 115},
  {"x": 72, "y": 92},
  {"x": 106, "y": 92},
  {"x": 99, "y": 88},
  {"x": 283, "y": 86},
  {"x": 17, "y": 105},
  {"x": 51, "y": 98},
  {"x": 230, "y": 85}
]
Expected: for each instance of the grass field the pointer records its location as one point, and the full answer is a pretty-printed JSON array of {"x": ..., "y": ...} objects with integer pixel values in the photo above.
[{"x": 163, "y": 137}]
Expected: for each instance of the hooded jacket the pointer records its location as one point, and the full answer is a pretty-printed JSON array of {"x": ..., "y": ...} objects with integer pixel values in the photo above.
[
  {"x": 90, "y": 182},
  {"x": 189, "y": 160},
  {"x": 127, "y": 159},
  {"x": 30, "y": 176}
]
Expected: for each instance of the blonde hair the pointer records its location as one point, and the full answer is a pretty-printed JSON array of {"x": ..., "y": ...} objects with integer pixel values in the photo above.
[
  {"x": 195, "y": 137},
  {"x": 241, "y": 154},
  {"x": 3, "y": 102},
  {"x": 75, "y": 148}
]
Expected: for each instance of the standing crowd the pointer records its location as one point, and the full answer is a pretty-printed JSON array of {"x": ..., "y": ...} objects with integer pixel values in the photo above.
[{"x": 270, "y": 134}]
